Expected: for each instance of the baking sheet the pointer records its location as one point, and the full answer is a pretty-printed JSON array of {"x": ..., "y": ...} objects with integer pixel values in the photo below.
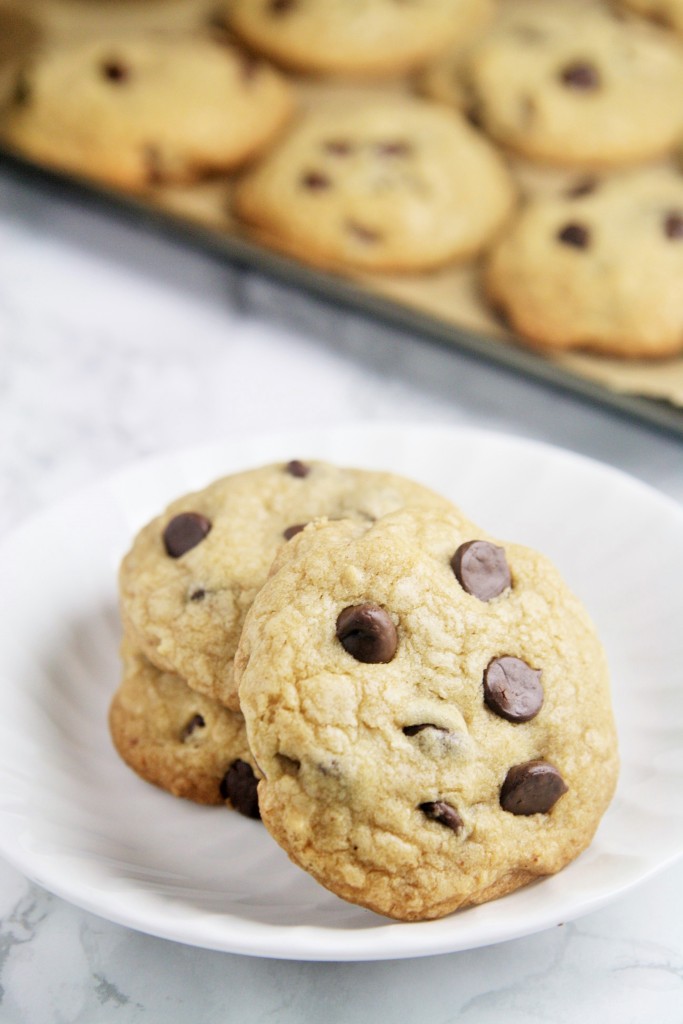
[{"x": 443, "y": 305}]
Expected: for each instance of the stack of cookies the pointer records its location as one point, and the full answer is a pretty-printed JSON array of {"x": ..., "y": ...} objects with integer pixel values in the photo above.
[
  {"x": 537, "y": 142},
  {"x": 419, "y": 713}
]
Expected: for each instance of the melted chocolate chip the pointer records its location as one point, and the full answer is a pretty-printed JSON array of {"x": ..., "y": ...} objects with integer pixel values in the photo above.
[
  {"x": 367, "y": 632},
  {"x": 22, "y": 91},
  {"x": 184, "y": 532},
  {"x": 281, "y": 6},
  {"x": 239, "y": 786},
  {"x": 198, "y": 595},
  {"x": 673, "y": 224},
  {"x": 292, "y": 531},
  {"x": 531, "y": 788},
  {"x": 442, "y": 812},
  {"x": 363, "y": 234},
  {"x": 196, "y": 722},
  {"x": 574, "y": 234},
  {"x": 580, "y": 75},
  {"x": 481, "y": 569},
  {"x": 338, "y": 147},
  {"x": 512, "y": 689},
  {"x": 315, "y": 181},
  {"x": 115, "y": 71},
  {"x": 584, "y": 187},
  {"x": 395, "y": 147},
  {"x": 298, "y": 469},
  {"x": 413, "y": 730}
]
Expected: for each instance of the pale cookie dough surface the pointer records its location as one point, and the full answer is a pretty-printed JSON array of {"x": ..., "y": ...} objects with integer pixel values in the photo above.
[
  {"x": 139, "y": 111},
  {"x": 598, "y": 267},
  {"x": 384, "y": 780},
  {"x": 389, "y": 185},
  {"x": 571, "y": 84},
  {"x": 186, "y": 612},
  {"x": 366, "y": 37},
  {"x": 175, "y": 738}
]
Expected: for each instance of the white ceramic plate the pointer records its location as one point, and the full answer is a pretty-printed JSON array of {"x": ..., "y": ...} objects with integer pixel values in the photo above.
[{"x": 75, "y": 819}]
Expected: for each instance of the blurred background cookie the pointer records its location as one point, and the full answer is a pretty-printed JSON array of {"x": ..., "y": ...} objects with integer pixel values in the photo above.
[
  {"x": 368, "y": 37},
  {"x": 145, "y": 109},
  {"x": 395, "y": 184},
  {"x": 598, "y": 267}
]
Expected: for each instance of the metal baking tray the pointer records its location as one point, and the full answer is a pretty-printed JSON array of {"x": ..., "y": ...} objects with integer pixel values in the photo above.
[{"x": 238, "y": 251}]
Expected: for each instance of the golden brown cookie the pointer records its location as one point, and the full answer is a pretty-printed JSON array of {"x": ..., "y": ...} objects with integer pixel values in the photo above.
[
  {"x": 400, "y": 185},
  {"x": 430, "y": 709},
  {"x": 596, "y": 267},
  {"x": 192, "y": 573},
  {"x": 179, "y": 740},
  {"x": 144, "y": 110},
  {"x": 366, "y": 37}
]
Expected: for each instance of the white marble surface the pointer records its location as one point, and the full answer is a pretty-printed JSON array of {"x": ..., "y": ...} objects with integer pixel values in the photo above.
[{"x": 115, "y": 344}]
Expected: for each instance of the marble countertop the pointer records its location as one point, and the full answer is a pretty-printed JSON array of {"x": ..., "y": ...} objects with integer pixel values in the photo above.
[{"x": 115, "y": 344}]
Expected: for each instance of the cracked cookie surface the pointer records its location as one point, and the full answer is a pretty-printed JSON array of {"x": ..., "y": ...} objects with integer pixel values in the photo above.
[
  {"x": 430, "y": 709},
  {"x": 192, "y": 572}
]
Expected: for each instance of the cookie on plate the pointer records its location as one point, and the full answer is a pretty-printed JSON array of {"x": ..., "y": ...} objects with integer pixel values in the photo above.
[
  {"x": 573, "y": 83},
  {"x": 367, "y": 37},
  {"x": 598, "y": 267},
  {"x": 192, "y": 573},
  {"x": 400, "y": 185},
  {"x": 430, "y": 710},
  {"x": 145, "y": 110},
  {"x": 186, "y": 743}
]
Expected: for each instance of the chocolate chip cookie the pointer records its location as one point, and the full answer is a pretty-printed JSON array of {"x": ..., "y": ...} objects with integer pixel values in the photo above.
[
  {"x": 596, "y": 267},
  {"x": 430, "y": 709},
  {"x": 392, "y": 185},
  {"x": 572, "y": 83},
  {"x": 367, "y": 37},
  {"x": 174, "y": 737},
  {"x": 141, "y": 111},
  {"x": 192, "y": 573}
]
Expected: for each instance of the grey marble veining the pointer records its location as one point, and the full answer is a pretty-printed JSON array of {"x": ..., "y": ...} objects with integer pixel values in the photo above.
[{"x": 115, "y": 344}]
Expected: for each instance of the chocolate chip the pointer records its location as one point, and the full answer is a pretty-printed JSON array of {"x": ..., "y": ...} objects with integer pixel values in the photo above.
[
  {"x": 281, "y": 6},
  {"x": 198, "y": 595},
  {"x": 442, "y": 812},
  {"x": 513, "y": 689},
  {"x": 315, "y": 181},
  {"x": 395, "y": 147},
  {"x": 580, "y": 75},
  {"x": 413, "y": 730},
  {"x": 296, "y": 468},
  {"x": 363, "y": 234},
  {"x": 184, "y": 532},
  {"x": 22, "y": 91},
  {"x": 574, "y": 234},
  {"x": 481, "y": 569},
  {"x": 239, "y": 786},
  {"x": 531, "y": 788},
  {"x": 292, "y": 531},
  {"x": 673, "y": 225},
  {"x": 151, "y": 156},
  {"x": 367, "y": 632},
  {"x": 196, "y": 722},
  {"x": 338, "y": 147},
  {"x": 584, "y": 187},
  {"x": 115, "y": 71}
]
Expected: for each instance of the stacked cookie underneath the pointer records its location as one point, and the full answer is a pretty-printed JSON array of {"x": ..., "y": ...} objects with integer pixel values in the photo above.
[
  {"x": 419, "y": 713},
  {"x": 537, "y": 143}
]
